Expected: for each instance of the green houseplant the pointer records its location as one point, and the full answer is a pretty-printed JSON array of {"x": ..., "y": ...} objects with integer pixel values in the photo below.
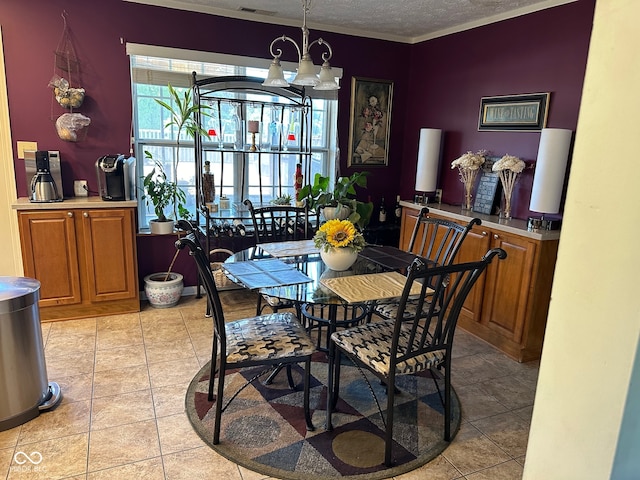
[
  {"x": 183, "y": 116},
  {"x": 160, "y": 193},
  {"x": 165, "y": 288},
  {"x": 342, "y": 197}
]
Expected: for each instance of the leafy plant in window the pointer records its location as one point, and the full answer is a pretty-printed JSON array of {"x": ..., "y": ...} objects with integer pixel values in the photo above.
[
  {"x": 342, "y": 196},
  {"x": 160, "y": 192},
  {"x": 184, "y": 117}
]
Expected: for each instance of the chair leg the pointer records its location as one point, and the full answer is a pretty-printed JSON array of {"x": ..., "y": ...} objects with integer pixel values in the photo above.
[
  {"x": 388, "y": 438},
  {"x": 307, "y": 381},
  {"x": 218, "y": 414},
  {"x": 336, "y": 379},
  {"x": 259, "y": 305},
  {"x": 212, "y": 374},
  {"x": 330, "y": 394},
  {"x": 447, "y": 401}
]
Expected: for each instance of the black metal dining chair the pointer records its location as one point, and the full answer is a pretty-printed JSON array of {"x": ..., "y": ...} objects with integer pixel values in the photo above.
[
  {"x": 278, "y": 223},
  {"x": 268, "y": 340},
  {"x": 435, "y": 239},
  {"x": 409, "y": 345}
]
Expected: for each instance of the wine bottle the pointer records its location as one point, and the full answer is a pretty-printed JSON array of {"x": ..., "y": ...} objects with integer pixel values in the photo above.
[
  {"x": 382, "y": 212},
  {"x": 297, "y": 181},
  {"x": 239, "y": 227},
  {"x": 397, "y": 212}
]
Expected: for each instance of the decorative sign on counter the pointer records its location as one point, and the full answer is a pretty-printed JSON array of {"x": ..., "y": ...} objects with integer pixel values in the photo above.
[{"x": 488, "y": 187}]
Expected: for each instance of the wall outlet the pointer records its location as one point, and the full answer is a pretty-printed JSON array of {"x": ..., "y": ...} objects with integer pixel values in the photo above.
[{"x": 438, "y": 195}]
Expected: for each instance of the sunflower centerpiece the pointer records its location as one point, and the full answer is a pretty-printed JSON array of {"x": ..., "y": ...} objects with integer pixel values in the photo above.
[{"x": 339, "y": 243}]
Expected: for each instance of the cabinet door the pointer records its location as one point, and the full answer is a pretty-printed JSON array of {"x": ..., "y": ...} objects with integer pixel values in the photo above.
[
  {"x": 108, "y": 242},
  {"x": 409, "y": 219},
  {"x": 49, "y": 254},
  {"x": 507, "y": 286},
  {"x": 475, "y": 245}
]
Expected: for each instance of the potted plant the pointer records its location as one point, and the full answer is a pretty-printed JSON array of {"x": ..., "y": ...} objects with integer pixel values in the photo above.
[
  {"x": 183, "y": 116},
  {"x": 339, "y": 243},
  {"x": 339, "y": 202},
  {"x": 165, "y": 288}
]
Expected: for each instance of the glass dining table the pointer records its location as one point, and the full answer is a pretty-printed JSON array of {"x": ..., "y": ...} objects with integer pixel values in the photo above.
[
  {"x": 316, "y": 289},
  {"x": 326, "y": 299}
]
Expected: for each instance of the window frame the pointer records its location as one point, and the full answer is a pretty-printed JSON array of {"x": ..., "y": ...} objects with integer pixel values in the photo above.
[{"x": 323, "y": 152}]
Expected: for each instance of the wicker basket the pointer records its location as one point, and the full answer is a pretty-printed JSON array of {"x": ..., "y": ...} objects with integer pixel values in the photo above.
[{"x": 216, "y": 268}]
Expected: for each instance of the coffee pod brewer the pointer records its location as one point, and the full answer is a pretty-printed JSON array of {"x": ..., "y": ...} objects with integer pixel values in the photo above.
[
  {"x": 44, "y": 180},
  {"x": 116, "y": 177}
]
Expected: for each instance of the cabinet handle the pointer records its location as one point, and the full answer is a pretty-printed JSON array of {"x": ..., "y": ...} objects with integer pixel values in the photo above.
[
  {"x": 496, "y": 236},
  {"x": 85, "y": 214},
  {"x": 484, "y": 234},
  {"x": 69, "y": 214}
]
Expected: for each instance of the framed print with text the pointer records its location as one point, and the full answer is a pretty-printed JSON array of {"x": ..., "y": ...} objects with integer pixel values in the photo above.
[{"x": 514, "y": 112}]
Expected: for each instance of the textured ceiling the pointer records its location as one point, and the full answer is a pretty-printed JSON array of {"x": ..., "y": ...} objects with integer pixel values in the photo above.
[{"x": 407, "y": 21}]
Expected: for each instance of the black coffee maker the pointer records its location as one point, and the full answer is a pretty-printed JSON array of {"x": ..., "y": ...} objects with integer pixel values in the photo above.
[
  {"x": 42, "y": 169},
  {"x": 116, "y": 175}
]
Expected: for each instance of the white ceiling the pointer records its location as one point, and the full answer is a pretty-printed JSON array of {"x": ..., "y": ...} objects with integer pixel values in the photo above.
[{"x": 408, "y": 21}]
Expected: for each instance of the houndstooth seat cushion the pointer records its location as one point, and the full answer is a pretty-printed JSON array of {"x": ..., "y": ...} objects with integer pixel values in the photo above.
[
  {"x": 256, "y": 339},
  {"x": 371, "y": 344},
  {"x": 389, "y": 310}
]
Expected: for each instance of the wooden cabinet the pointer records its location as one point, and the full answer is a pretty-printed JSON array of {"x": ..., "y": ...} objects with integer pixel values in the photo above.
[
  {"x": 509, "y": 304},
  {"x": 84, "y": 258}
]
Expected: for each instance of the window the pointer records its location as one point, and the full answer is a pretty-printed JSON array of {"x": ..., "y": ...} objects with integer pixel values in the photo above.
[{"x": 150, "y": 77}]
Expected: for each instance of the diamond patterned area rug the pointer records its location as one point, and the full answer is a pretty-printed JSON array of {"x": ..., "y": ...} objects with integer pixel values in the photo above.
[{"x": 263, "y": 429}]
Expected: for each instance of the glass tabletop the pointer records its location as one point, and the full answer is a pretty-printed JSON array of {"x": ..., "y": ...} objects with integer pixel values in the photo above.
[{"x": 312, "y": 266}]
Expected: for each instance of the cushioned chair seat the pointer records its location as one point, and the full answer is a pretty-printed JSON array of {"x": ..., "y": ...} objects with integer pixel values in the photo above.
[
  {"x": 267, "y": 337},
  {"x": 390, "y": 309},
  {"x": 371, "y": 344}
]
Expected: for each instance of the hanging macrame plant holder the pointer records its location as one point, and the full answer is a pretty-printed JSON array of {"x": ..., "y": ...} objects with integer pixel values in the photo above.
[{"x": 71, "y": 127}]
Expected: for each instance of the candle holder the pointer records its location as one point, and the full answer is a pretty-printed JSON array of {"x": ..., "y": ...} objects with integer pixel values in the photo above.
[{"x": 253, "y": 128}]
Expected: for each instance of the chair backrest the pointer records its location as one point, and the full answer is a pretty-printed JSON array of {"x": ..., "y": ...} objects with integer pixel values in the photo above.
[
  {"x": 437, "y": 239},
  {"x": 432, "y": 326},
  {"x": 192, "y": 242},
  {"x": 279, "y": 223}
]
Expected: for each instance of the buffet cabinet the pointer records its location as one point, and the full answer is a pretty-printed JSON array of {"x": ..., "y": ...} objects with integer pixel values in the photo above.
[
  {"x": 84, "y": 256},
  {"x": 508, "y": 306}
]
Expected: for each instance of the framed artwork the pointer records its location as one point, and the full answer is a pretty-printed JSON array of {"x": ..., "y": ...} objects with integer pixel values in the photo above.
[
  {"x": 369, "y": 122},
  {"x": 514, "y": 112}
]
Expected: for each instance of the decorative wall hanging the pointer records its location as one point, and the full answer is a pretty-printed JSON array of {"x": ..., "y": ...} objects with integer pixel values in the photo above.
[
  {"x": 514, "y": 112},
  {"x": 71, "y": 127},
  {"x": 370, "y": 122}
]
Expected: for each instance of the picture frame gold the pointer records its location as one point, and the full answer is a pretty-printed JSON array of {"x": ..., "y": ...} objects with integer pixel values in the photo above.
[
  {"x": 370, "y": 122},
  {"x": 526, "y": 112}
]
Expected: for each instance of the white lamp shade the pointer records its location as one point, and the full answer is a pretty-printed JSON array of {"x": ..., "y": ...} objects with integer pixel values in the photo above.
[
  {"x": 428, "y": 159},
  {"x": 551, "y": 165},
  {"x": 275, "y": 77},
  {"x": 306, "y": 74}
]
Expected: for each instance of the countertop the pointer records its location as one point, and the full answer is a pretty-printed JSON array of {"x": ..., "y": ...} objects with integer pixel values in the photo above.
[
  {"x": 514, "y": 225},
  {"x": 23, "y": 203}
]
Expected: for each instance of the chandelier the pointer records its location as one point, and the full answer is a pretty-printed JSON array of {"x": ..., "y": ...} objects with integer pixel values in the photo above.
[{"x": 306, "y": 73}]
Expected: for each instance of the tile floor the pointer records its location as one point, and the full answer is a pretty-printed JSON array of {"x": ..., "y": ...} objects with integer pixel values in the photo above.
[{"x": 122, "y": 415}]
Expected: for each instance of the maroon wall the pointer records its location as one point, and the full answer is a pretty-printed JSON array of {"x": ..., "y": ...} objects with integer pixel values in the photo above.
[
  {"x": 437, "y": 83},
  {"x": 541, "y": 52}
]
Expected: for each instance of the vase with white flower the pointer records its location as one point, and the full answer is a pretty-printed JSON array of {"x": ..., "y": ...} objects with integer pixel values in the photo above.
[
  {"x": 468, "y": 166},
  {"x": 339, "y": 243},
  {"x": 508, "y": 168}
]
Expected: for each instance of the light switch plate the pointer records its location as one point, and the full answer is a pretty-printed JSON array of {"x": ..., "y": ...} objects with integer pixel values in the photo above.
[
  {"x": 22, "y": 146},
  {"x": 439, "y": 195}
]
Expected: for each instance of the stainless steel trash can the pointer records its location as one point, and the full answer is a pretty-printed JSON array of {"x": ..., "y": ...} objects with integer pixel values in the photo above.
[{"x": 24, "y": 387}]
